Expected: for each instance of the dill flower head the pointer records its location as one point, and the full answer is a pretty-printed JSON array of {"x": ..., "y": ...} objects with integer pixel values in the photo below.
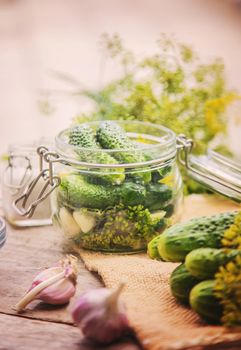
[
  {"x": 232, "y": 236},
  {"x": 228, "y": 290},
  {"x": 228, "y": 280}
]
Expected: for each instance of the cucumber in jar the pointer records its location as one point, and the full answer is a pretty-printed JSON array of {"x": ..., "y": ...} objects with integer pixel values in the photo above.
[
  {"x": 75, "y": 192},
  {"x": 112, "y": 136},
  {"x": 84, "y": 137}
]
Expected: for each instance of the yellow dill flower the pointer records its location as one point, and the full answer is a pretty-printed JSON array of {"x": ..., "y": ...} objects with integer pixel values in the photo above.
[
  {"x": 232, "y": 236},
  {"x": 228, "y": 279},
  {"x": 214, "y": 108},
  {"x": 228, "y": 290}
]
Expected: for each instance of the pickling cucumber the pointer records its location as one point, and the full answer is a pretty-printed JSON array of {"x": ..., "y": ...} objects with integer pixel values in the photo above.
[
  {"x": 75, "y": 192},
  {"x": 204, "y": 302},
  {"x": 203, "y": 263},
  {"x": 176, "y": 242},
  {"x": 90, "y": 151},
  {"x": 181, "y": 283},
  {"x": 110, "y": 135}
]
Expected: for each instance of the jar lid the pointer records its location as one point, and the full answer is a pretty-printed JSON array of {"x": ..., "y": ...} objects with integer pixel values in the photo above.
[
  {"x": 219, "y": 174},
  {"x": 213, "y": 170}
]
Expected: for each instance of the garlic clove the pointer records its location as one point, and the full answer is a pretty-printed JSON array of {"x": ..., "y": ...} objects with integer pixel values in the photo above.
[
  {"x": 55, "y": 285},
  {"x": 101, "y": 315},
  {"x": 44, "y": 275},
  {"x": 86, "y": 222},
  {"x": 58, "y": 293},
  {"x": 70, "y": 226}
]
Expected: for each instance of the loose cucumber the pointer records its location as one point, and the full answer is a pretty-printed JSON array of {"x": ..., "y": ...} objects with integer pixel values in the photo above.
[
  {"x": 152, "y": 250},
  {"x": 181, "y": 283},
  {"x": 203, "y": 301},
  {"x": 177, "y": 241},
  {"x": 203, "y": 263}
]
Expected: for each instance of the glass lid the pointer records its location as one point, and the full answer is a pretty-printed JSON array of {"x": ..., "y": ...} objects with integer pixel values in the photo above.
[{"x": 213, "y": 170}]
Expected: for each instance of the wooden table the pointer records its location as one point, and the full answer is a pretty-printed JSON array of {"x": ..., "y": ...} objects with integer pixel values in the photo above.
[
  {"x": 40, "y": 327},
  {"x": 47, "y": 328}
]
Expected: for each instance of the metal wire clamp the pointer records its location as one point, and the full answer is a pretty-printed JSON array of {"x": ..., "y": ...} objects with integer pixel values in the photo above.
[{"x": 47, "y": 181}]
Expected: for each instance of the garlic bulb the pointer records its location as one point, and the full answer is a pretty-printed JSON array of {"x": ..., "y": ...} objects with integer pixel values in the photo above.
[
  {"x": 100, "y": 315},
  {"x": 54, "y": 285}
]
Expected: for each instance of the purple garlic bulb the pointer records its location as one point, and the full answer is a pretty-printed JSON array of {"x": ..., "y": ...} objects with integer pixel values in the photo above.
[{"x": 100, "y": 315}]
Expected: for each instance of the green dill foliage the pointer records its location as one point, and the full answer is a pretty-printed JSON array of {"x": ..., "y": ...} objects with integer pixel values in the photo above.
[
  {"x": 228, "y": 279},
  {"x": 172, "y": 88},
  {"x": 122, "y": 227},
  {"x": 145, "y": 225}
]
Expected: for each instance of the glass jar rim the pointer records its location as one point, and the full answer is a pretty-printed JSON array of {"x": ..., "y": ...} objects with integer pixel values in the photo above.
[
  {"x": 165, "y": 143},
  {"x": 28, "y": 147}
]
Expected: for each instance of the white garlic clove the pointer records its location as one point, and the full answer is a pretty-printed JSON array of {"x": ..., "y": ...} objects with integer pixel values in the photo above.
[
  {"x": 69, "y": 225},
  {"x": 85, "y": 221}
]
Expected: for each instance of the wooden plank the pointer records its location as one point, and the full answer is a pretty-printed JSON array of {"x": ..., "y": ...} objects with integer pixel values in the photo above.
[
  {"x": 25, "y": 334},
  {"x": 25, "y": 253}
]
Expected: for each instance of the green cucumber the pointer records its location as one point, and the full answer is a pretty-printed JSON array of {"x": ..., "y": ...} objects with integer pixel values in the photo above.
[
  {"x": 203, "y": 301},
  {"x": 75, "y": 192},
  {"x": 203, "y": 263},
  {"x": 152, "y": 250},
  {"x": 204, "y": 232},
  {"x": 157, "y": 196},
  {"x": 181, "y": 283},
  {"x": 89, "y": 150},
  {"x": 132, "y": 194},
  {"x": 110, "y": 135}
]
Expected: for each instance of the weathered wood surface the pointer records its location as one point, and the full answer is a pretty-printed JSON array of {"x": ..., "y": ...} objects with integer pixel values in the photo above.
[
  {"x": 25, "y": 334},
  {"x": 25, "y": 253},
  {"x": 40, "y": 327}
]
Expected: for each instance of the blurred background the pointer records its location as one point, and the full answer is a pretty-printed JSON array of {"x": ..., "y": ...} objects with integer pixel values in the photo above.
[{"x": 39, "y": 37}]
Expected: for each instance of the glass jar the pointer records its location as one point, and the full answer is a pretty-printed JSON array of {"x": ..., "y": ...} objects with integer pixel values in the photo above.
[
  {"x": 22, "y": 169},
  {"x": 118, "y": 207}
]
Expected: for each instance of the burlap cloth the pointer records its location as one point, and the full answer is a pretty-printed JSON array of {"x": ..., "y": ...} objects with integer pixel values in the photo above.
[{"x": 158, "y": 320}]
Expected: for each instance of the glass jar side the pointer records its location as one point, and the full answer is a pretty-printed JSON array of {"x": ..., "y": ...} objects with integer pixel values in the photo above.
[
  {"x": 22, "y": 168},
  {"x": 121, "y": 217}
]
